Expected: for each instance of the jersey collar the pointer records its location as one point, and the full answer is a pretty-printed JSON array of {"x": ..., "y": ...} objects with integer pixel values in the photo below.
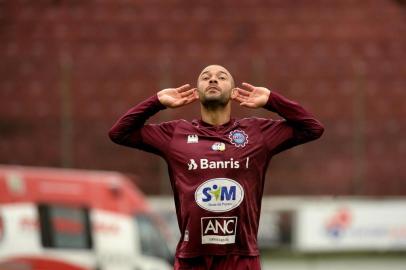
[{"x": 201, "y": 124}]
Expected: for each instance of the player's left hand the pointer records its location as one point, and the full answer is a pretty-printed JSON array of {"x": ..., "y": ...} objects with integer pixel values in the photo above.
[{"x": 251, "y": 96}]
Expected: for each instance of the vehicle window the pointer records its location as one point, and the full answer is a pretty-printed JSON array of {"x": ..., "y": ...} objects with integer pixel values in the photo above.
[
  {"x": 65, "y": 227},
  {"x": 151, "y": 240}
]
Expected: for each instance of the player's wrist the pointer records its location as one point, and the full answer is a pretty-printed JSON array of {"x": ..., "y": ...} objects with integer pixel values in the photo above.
[
  {"x": 268, "y": 99},
  {"x": 158, "y": 101}
]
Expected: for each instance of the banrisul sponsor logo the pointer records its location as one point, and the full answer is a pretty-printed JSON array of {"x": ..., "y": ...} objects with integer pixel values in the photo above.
[
  {"x": 219, "y": 195},
  {"x": 218, "y": 230},
  {"x": 205, "y": 164}
]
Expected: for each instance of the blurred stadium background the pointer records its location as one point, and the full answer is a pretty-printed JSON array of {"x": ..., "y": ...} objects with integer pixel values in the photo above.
[{"x": 70, "y": 68}]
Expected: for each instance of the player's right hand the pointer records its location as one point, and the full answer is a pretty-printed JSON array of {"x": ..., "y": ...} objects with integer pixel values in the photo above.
[{"x": 177, "y": 97}]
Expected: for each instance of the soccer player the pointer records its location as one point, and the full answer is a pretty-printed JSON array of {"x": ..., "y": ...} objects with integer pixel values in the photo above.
[{"x": 217, "y": 163}]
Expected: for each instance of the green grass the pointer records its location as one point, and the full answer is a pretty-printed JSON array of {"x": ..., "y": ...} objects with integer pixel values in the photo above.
[{"x": 289, "y": 254}]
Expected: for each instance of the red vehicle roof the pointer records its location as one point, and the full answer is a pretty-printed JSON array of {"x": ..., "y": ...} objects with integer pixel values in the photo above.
[{"x": 105, "y": 190}]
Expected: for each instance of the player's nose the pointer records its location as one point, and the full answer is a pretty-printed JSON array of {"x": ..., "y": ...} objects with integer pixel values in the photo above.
[{"x": 213, "y": 81}]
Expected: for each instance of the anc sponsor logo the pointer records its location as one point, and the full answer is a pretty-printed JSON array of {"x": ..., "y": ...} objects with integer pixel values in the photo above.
[
  {"x": 219, "y": 195},
  {"x": 218, "y": 230}
]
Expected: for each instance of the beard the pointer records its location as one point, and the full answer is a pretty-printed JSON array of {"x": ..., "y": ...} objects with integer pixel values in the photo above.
[{"x": 215, "y": 101}]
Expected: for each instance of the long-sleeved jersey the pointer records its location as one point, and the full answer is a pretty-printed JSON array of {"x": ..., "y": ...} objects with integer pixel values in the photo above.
[{"x": 217, "y": 173}]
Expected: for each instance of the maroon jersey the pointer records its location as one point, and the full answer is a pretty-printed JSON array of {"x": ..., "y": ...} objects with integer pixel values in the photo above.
[{"x": 217, "y": 173}]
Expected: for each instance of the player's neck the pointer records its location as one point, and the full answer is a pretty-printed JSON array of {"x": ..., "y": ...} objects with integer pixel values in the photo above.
[{"x": 216, "y": 116}]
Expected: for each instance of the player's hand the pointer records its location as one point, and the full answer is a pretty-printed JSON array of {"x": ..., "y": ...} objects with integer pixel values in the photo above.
[
  {"x": 251, "y": 96},
  {"x": 176, "y": 97}
]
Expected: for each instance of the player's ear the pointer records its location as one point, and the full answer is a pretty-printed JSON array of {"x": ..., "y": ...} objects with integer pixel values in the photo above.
[{"x": 233, "y": 93}]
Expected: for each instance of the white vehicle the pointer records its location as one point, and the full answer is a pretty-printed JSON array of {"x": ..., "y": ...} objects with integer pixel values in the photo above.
[{"x": 76, "y": 220}]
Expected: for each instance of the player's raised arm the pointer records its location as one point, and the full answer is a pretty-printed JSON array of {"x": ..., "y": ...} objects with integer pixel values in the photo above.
[
  {"x": 299, "y": 126},
  {"x": 131, "y": 130}
]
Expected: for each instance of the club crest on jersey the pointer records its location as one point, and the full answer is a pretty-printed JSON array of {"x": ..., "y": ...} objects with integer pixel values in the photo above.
[
  {"x": 192, "y": 138},
  {"x": 238, "y": 137}
]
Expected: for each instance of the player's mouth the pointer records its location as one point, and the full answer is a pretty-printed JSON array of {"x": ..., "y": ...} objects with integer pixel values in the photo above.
[{"x": 213, "y": 88}]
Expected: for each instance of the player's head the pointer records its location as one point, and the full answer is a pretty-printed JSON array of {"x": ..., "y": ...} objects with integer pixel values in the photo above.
[{"x": 214, "y": 86}]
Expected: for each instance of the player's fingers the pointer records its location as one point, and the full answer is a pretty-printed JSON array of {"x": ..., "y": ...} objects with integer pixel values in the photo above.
[
  {"x": 243, "y": 92},
  {"x": 248, "y": 86},
  {"x": 242, "y": 96},
  {"x": 239, "y": 98},
  {"x": 183, "y": 88},
  {"x": 190, "y": 99},
  {"x": 194, "y": 95},
  {"x": 187, "y": 92}
]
